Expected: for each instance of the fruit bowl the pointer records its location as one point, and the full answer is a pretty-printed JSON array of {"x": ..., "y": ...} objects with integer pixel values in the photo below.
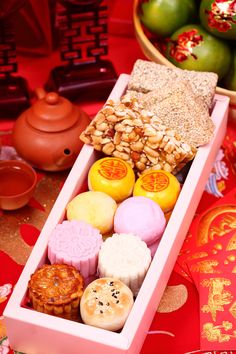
[{"x": 152, "y": 53}]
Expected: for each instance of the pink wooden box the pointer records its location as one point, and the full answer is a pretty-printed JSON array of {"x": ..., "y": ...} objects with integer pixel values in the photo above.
[{"x": 32, "y": 332}]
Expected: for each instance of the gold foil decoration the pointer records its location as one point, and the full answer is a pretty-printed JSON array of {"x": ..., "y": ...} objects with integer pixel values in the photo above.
[
  {"x": 207, "y": 266},
  {"x": 10, "y": 240},
  {"x": 206, "y": 232},
  {"x": 214, "y": 333},
  {"x": 185, "y": 251},
  {"x": 231, "y": 258},
  {"x": 221, "y": 185},
  {"x": 174, "y": 297},
  {"x": 198, "y": 255},
  {"x": 231, "y": 244},
  {"x": 232, "y": 310},
  {"x": 218, "y": 246},
  {"x": 218, "y": 297},
  {"x": 45, "y": 194}
]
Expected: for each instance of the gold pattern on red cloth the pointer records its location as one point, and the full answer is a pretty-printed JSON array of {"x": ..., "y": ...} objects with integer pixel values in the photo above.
[
  {"x": 207, "y": 233},
  {"x": 214, "y": 333},
  {"x": 174, "y": 298},
  {"x": 218, "y": 296},
  {"x": 11, "y": 241}
]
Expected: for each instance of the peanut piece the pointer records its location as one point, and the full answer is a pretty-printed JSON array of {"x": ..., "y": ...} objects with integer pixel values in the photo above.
[
  {"x": 167, "y": 167},
  {"x": 152, "y": 159},
  {"x": 119, "y": 148},
  {"x": 90, "y": 129},
  {"x": 129, "y": 122},
  {"x": 127, "y": 149},
  {"x": 108, "y": 148},
  {"x": 140, "y": 166},
  {"x": 149, "y": 131},
  {"x": 138, "y": 146},
  {"x": 119, "y": 127},
  {"x": 157, "y": 138},
  {"x": 124, "y": 143},
  {"x": 85, "y": 139},
  {"x": 120, "y": 114},
  {"x": 117, "y": 138},
  {"x": 158, "y": 166},
  {"x": 143, "y": 159},
  {"x": 111, "y": 118},
  {"x": 151, "y": 152},
  {"x": 132, "y": 136},
  {"x": 125, "y": 137},
  {"x": 105, "y": 141},
  {"x": 96, "y": 139},
  {"x": 99, "y": 118},
  {"x": 102, "y": 126},
  {"x": 121, "y": 155},
  {"x": 107, "y": 110},
  {"x": 97, "y": 133}
]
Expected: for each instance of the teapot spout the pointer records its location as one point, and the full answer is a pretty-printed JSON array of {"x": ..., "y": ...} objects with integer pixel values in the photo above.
[{"x": 65, "y": 160}]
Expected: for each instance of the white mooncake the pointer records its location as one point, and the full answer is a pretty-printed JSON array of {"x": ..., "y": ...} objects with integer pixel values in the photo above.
[{"x": 126, "y": 257}]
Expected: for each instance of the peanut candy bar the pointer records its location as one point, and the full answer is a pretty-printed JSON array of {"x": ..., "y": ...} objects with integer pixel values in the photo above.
[{"x": 126, "y": 130}]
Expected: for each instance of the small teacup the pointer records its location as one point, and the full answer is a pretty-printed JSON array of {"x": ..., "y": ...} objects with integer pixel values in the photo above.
[{"x": 17, "y": 184}]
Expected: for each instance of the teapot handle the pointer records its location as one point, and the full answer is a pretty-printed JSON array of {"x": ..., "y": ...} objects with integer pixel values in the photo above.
[{"x": 40, "y": 93}]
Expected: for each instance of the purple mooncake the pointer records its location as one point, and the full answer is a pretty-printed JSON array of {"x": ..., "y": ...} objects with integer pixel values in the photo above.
[{"x": 75, "y": 243}]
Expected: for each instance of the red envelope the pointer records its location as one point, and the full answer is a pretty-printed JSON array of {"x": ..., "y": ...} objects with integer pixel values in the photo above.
[
  {"x": 209, "y": 259},
  {"x": 208, "y": 235},
  {"x": 217, "y": 301},
  {"x": 217, "y": 257}
]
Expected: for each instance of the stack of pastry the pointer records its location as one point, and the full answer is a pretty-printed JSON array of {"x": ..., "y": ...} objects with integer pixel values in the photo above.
[{"x": 160, "y": 121}]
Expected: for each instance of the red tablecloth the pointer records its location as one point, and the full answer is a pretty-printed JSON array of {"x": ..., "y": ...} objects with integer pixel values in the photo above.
[{"x": 175, "y": 329}]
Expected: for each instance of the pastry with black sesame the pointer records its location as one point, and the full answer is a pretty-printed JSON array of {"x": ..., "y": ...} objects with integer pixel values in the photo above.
[{"x": 106, "y": 303}]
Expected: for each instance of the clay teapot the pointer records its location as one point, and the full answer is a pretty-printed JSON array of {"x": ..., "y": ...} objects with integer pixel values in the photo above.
[{"x": 47, "y": 134}]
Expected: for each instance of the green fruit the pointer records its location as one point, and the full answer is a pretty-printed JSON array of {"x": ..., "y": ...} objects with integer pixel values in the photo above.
[
  {"x": 219, "y": 17},
  {"x": 193, "y": 48},
  {"x": 230, "y": 79},
  {"x": 163, "y": 17}
]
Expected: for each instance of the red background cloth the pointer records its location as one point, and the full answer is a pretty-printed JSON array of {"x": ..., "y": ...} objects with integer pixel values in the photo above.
[{"x": 176, "y": 332}]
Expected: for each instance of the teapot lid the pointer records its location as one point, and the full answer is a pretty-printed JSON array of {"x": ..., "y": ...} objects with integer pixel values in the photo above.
[{"x": 52, "y": 113}]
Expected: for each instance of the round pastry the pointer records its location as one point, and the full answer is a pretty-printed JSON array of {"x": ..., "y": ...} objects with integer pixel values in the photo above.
[
  {"x": 113, "y": 176},
  {"x": 106, "y": 303},
  {"x": 125, "y": 257},
  {"x": 160, "y": 186},
  {"x": 56, "y": 290},
  {"x": 95, "y": 208},
  {"x": 75, "y": 243},
  {"x": 142, "y": 217}
]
